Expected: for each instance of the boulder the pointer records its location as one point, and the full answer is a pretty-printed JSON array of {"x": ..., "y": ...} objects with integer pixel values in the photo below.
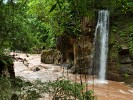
[
  {"x": 113, "y": 76},
  {"x": 51, "y": 56},
  {"x": 6, "y": 67},
  {"x": 120, "y": 72},
  {"x": 129, "y": 80},
  {"x": 126, "y": 69},
  {"x": 125, "y": 59},
  {"x": 124, "y": 55},
  {"x": 124, "y": 50},
  {"x": 36, "y": 69}
]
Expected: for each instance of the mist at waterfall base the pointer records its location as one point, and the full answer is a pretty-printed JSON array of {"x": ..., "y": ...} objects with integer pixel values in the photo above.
[{"x": 100, "y": 45}]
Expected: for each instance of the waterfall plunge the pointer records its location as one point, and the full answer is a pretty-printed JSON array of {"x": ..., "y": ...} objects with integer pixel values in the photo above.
[
  {"x": 103, "y": 23},
  {"x": 100, "y": 44}
]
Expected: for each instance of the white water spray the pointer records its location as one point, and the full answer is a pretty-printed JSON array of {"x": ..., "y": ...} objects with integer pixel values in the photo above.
[
  {"x": 100, "y": 52},
  {"x": 104, "y": 23}
]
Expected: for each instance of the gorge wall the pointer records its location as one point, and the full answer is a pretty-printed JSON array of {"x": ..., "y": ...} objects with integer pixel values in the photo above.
[
  {"x": 120, "y": 66},
  {"x": 120, "y": 58}
]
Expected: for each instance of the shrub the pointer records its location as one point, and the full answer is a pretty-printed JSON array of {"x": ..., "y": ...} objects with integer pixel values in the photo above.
[{"x": 66, "y": 90}]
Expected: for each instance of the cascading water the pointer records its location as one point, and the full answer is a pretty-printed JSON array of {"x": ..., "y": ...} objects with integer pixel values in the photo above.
[
  {"x": 104, "y": 30},
  {"x": 100, "y": 51}
]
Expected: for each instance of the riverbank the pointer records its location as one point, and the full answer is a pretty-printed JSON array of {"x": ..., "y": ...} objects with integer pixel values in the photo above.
[{"x": 30, "y": 68}]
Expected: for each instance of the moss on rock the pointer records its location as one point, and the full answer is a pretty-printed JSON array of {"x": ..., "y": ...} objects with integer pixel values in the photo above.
[{"x": 51, "y": 56}]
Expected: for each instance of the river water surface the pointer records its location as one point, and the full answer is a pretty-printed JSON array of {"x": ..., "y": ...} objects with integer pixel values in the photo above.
[{"x": 27, "y": 67}]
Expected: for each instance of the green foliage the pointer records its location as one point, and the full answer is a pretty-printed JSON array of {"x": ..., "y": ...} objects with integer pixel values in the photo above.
[
  {"x": 127, "y": 34},
  {"x": 5, "y": 89},
  {"x": 22, "y": 89},
  {"x": 65, "y": 89},
  {"x": 71, "y": 14},
  {"x": 122, "y": 30},
  {"x": 126, "y": 75},
  {"x": 34, "y": 24},
  {"x": 124, "y": 6},
  {"x": 88, "y": 95},
  {"x": 59, "y": 89},
  {"x": 26, "y": 90},
  {"x": 130, "y": 38},
  {"x": 14, "y": 28}
]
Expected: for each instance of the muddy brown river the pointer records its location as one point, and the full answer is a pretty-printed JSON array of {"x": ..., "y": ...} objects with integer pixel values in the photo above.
[{"x": 30, "y": 67}]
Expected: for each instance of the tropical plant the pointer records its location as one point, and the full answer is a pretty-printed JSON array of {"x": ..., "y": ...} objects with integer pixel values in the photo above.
[
  {"x": 5, "y": 87},
  {"x": 65, "y": 89}
]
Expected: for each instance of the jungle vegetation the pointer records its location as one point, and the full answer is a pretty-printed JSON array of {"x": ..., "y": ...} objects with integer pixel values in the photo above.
[
  {"x": 28, "y": 25},
  {"x": 31, "y": 25}
]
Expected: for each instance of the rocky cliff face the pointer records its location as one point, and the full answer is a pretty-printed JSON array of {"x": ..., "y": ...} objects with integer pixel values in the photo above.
[
  {"x": 82, "y": 53},
  {"x": 120, "y": 66},
  {"x": 120, "y": 62},
  {"x": 78, "y": 49},
  {"x": 120, "y": 59}
]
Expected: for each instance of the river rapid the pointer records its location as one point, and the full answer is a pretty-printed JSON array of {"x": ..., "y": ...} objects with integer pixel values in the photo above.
[{"x": 30, "y": 68}]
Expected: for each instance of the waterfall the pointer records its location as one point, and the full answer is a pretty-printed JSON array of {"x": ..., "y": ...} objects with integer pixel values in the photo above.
[
  {"x": 104, "y": 30},
  {"x": 100, "y": 51}
]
